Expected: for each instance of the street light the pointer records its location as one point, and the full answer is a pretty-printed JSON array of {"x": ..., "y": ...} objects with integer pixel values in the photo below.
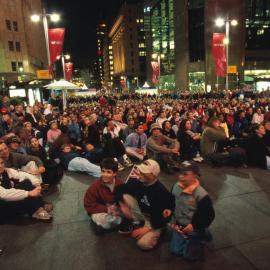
[
  {"x": 158, "y": 56},
  {"x": 54, "y": 18},
  {"x": 63, "y": 57},
  {"x": 220, "y": 22}
]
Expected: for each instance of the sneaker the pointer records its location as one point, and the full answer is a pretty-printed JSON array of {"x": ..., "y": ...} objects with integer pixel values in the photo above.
[
  {"x": 98, "y": 230},
  {"x": 198, "y": 159},
  {"x": 48, "y": 207},
  {"x": 42, "y": 215},
  {"x": 126, "y": 229},
  {"x": 120, "y": 167},
  {"x": 128, "y": 163}
]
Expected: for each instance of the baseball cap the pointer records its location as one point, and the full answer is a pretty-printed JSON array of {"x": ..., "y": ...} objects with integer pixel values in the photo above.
[
  {"x": 154, "y": 126},
  {"x": 189, "y": 165},
  {"x": 149, "y": 166}
]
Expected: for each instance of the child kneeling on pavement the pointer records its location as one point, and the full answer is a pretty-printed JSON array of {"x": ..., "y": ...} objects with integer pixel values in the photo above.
[
  {"x": 192, "y": 215},
  {"x": 99, "y": 198}
]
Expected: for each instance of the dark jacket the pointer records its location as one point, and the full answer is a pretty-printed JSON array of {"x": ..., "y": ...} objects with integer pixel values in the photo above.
[
  {"x": 152, "y": 200},
  {"x": 256, "y": 151},
  {"x": 67, "y": 157}
]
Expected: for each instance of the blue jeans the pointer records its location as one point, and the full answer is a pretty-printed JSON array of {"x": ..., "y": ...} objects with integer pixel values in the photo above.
[
  {"x": 79, "y": 164},
  {"x": 187, "y": 246}
]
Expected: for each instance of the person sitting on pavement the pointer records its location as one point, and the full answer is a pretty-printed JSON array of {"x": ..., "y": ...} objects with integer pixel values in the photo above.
[
  {"x": 129, "y": 129},
  {"x": 161, "y": 118},
  {"x": 13, "y": 143},
  {"x": 189, "y": 141},
  {"x": 146, "y": 202},
  {"x": 212, "y": 137},
  {"x": 53, "y": 133},
  {"x": 167, "y": 129},
  {"x": 114, "y": 147},
  {"x": 135, "y": 143},
  {"x": 27, "y": 163},
  {"x": 99, "y": 200},
  {"x": 92, "y": 139},
  {"x": 257, "y": 152},
  {"x": 74, "y": 162},
  {"x": 193, "y": 213},
  {"x": 162, "y": 149},
  {"x": 53, "y": 171},
  {"x": 20, "y": 193}
]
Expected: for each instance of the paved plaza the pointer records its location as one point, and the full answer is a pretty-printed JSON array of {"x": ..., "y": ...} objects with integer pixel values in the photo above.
[{"x": 241, "y": 230}]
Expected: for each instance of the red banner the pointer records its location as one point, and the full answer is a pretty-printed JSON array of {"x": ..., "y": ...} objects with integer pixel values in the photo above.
[
  {"x": 219, "y": 54},
  {"x": 56, "y": 41},
  {"x": 155, "y": 72},
  {"x": 68, "y": 71}
]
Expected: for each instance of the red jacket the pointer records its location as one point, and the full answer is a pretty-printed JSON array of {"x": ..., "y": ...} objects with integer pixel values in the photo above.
[{"x": 98, "y": 196}]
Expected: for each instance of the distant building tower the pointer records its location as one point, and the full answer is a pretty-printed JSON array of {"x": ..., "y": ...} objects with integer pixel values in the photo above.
[
  {"x": 22, "y": 42},
  {"x": 101, "y": 36},
  {"x": 129, "y": 47},
  {"x": 108, "y": 64}
]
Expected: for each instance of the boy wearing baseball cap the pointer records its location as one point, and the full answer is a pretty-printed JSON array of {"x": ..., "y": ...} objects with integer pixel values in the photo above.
[
  {"x": 145, "y": 201},
  {"x": 192, "y": 215}
]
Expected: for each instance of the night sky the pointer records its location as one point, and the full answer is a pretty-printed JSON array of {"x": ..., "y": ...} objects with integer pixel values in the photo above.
[{"x": 80, "y": 18}]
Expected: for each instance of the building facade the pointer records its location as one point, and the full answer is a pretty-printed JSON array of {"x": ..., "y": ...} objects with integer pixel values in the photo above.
[
  {"x": 182, "y": 31},
  {"x": 22, "y": 42},
  {"x": 102, "y": 34},
  {"x": 128, "y": 45}
]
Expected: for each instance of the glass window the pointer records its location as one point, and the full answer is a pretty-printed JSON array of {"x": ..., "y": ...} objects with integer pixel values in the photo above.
[
  {"x": 13, "y": 66},
  {"x": 15, "y": 26},
  {"x": 8, "y": 24},
  {"x": 18, "y": 46},
  {"x": 11, "y": 45}
]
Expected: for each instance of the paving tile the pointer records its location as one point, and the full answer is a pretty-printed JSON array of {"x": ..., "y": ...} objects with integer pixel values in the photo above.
[{"x": 257, "y": 252}]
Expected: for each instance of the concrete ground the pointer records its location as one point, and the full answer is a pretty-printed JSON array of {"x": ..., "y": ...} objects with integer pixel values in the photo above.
[{"x": 241, "y": 230}]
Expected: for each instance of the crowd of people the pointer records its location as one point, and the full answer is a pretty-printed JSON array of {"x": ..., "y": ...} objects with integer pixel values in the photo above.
[{"x": 102, "y": 135}]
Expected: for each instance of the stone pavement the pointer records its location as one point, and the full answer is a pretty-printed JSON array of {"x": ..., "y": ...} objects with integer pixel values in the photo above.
[{"x": 241, "y": 230}]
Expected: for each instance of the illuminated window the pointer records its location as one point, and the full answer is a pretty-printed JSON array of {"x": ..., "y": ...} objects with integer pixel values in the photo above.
[{"x": 141, "y": 45}]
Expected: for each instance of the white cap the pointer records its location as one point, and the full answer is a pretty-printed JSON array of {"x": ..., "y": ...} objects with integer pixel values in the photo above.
[{"x": 149, "y": 166}]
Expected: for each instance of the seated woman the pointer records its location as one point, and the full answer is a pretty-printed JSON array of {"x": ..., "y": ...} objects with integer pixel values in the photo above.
[
  {"x": 189, "y": 141},
  {"x": 257, "y": 153},
  {"x": 19, "y": 195}
]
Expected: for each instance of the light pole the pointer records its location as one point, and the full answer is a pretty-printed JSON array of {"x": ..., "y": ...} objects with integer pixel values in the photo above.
[
  {"x": 63, "y": 57},
  {"x": 158, "y": 56},
  {"x": 220, "y": 22},
  {"x": 54, "y": 18}
]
